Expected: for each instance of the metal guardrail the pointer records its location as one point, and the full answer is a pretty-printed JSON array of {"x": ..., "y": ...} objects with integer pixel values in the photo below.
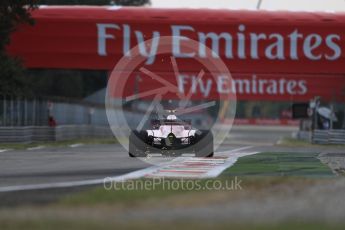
[
  {"x": 69, "y": 132},
  {"x": 19, "y": 111},
  {"x": 29, "y": 134},
  {"x": 304, "y": 135},
  {"x": 329, "y": 137}
]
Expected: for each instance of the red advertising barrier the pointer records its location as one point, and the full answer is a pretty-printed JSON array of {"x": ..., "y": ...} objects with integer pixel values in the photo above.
[
  {"x": 246, "y": 41},
  {"x": 269, "y": 87},
  {"x": 271, "y": 55},
  {"x": 262, "y": 121}
]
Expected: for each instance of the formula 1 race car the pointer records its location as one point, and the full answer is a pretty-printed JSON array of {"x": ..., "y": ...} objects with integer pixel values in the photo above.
[{"x": 171, "y": 136}]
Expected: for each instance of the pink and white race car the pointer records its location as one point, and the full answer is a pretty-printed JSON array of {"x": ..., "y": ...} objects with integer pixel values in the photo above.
[{"x": 173, "y": 137}]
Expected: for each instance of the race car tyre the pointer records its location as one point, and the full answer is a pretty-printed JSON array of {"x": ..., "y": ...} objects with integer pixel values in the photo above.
[
  {"x": 137, "y": 144},
  {"x": 204, "y": 144}
]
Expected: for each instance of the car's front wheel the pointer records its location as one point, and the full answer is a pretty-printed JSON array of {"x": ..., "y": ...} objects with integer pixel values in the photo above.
[
  {"x": 137, "y": 144},
  {"x": 203, "y": 146}
]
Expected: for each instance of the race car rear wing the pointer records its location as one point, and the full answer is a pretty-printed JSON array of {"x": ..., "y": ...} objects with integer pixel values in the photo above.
[{"x": 186, "y": 123}]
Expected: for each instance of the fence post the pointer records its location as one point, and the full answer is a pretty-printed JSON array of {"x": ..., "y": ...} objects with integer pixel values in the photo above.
[
  {"x": 331, "y": 118},
  {"x": 34, "y": 111},
  {"x": 4, "y": 111},
  {"x": 18, "y": 112},
  {"x": 90, "y": 113},
  {"x": 11, "y": 111},
  {"x": 25, "y": 112}
]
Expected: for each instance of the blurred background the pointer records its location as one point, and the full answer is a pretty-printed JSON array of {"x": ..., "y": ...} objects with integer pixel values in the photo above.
[
  {"x": 56, "y": 97},
  {"x": 56, "y": 146}
]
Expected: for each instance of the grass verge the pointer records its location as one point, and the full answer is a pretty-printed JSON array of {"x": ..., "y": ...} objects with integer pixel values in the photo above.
[
  {"x": 99, "y": 208},
  {"x": 103, "y": 209},
  {"x": 280, "y": 164},
  {"x": 293, "y": 142},
  {"x": 87, "y": 224}
]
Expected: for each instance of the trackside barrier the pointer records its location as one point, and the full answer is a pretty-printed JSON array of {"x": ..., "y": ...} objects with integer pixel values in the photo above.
[
  {"x": 29, "y": 134},
  {"x": 69, "y": 132},
  {"x": 329, "y": 137},
  {"x": 304, "y": 135}
]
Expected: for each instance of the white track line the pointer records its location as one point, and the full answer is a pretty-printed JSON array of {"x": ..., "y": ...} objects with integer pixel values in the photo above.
[
  {"x": 76, "y": 145},
  {"x": 147, "y": 172},
  {"x": 128, "y": 176},
  {"x": 36, "y": 148},
  {"x": 4, "y": 150}
]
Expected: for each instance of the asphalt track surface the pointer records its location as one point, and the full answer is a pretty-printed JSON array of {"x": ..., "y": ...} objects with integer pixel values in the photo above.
[
  {"x": 91, "y": 162},
  {"x": 85, "y": 162}
]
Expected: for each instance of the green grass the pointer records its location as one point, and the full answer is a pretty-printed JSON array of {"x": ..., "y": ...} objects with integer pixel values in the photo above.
[
  {"x": 280, "y": 164},
  {"x": 85, "y": 210},
  {"x": 274, "y": 165},
  {"x": 293, "y": 142},
  {"x": 125, "y": 196},
  {"x": 58, "y": 143},
  {"x": 145, "y": 189},
  {"x": 168, "y": 225},
  {"x": 129, "y": 197}
]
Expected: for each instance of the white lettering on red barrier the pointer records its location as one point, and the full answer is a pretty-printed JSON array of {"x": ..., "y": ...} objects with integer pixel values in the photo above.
[
  {"x": 253, "y": 86},
  {"x": 280, "y": 47}
]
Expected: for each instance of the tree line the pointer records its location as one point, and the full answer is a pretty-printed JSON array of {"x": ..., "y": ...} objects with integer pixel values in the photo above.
[{"x": 16, "y": 80}]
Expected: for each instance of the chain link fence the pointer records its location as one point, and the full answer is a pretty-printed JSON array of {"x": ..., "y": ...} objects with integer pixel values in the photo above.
[
  {"x": 17, "y": 111},
  {"x": 26, "y": 120},
  {"x": 29, "y": 134},
  {"x": 21, "y": 111}
]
